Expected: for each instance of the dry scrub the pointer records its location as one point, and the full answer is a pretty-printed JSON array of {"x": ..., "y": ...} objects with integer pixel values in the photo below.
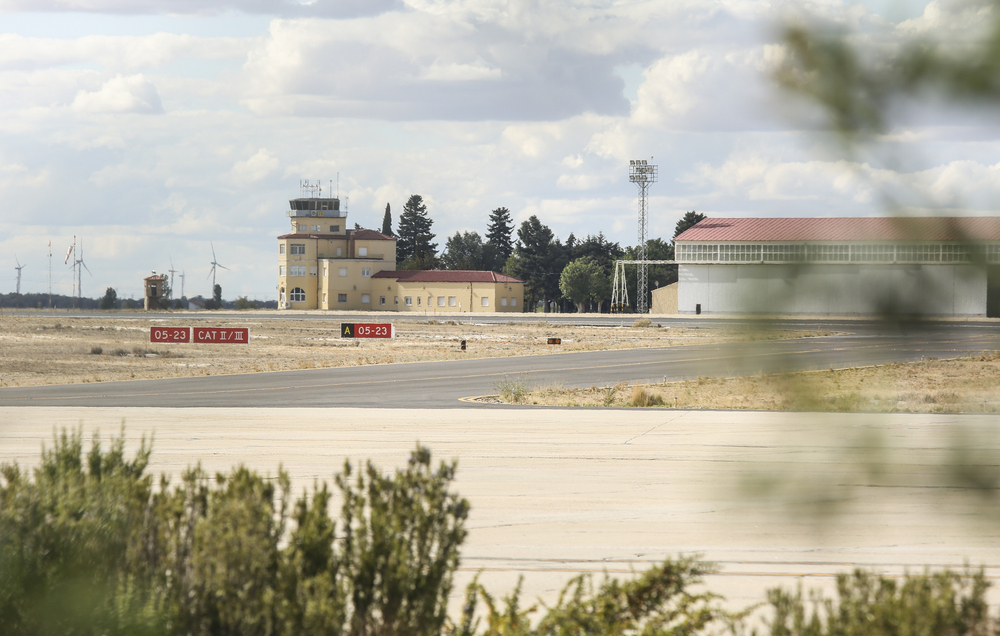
[
  {"x": 961, "y": 385},
  {"x": 115, "y": 346}
]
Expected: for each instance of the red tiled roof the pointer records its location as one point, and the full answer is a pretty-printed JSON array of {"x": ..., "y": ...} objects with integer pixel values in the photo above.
[
  {"x": 446, "y": 276},
  {"x": 931, "y": 228},
  {"x": 361, "y": 235}
]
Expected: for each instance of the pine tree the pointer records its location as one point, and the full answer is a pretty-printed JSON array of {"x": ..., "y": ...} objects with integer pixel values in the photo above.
[
  {"x": 690, "y": 219},
  {"x": 498, "y": 233},
  {"x": 387, "y": 222},
  {"x": 414, "y": 248}
]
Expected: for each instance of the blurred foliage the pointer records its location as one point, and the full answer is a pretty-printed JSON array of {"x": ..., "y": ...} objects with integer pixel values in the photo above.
[
  {"x": 658, "y": 601},
  {"x": 942, "y": 603},
  {"x": 88, "y": 545}
]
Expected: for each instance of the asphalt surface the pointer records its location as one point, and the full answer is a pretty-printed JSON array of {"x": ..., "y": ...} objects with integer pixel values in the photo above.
[{"x": 444, "y": 384}]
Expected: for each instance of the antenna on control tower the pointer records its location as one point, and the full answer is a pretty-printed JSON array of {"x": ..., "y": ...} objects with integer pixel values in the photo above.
[
  {"x": 642, "y": 175},
  {"x": 310, "y": 189}
]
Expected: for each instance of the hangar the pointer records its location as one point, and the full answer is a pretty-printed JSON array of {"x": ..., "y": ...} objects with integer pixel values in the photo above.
[{"x": 931, "y": 266}]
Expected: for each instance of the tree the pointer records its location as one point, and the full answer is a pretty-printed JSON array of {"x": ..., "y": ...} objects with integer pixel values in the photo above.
[
  {"x": 463, "y": 251},
  {"x": 580, "y": 279},
  {"x": 217, "y": 295},
  {"x": 110, "y": 300},
  {"x": 538, "y": 260},
  {"x": 604, "y": 253},
  {"x": 387, "y": 222},
  {"x": 688, "y": 220},
  {"x": 414, "y": 247},
  {"x": 498, "y": 237}
]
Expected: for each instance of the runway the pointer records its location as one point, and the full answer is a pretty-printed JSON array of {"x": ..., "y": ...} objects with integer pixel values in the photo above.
[
  {"x": 556, "y": 492},
  {"x": 443, "y": 384}
]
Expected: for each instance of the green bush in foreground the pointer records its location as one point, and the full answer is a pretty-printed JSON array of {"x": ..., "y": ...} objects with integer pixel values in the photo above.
[{"x": 91, "y": 545}]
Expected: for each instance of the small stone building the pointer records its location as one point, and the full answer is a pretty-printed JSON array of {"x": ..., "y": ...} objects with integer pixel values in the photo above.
[{"x": 154, "y": 291}]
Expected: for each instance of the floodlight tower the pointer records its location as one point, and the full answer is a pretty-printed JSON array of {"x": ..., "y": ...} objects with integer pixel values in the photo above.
[{"x": 642, "y": 175}]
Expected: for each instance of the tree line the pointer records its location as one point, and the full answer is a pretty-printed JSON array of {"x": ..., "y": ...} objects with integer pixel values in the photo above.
[
  {"x": 575, "y": 275},
  {"x": 93, "y": 545}
]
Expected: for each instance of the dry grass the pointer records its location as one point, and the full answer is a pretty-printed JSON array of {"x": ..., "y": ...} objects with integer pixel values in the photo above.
[
  {"x": 961, "y": 385},
  {"x": 57, "y": 350}
]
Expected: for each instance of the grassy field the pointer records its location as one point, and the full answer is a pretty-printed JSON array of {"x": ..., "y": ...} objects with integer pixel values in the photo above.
[
  {"x": 115, "y": 345},
  {"x": 961, "y": 385}
]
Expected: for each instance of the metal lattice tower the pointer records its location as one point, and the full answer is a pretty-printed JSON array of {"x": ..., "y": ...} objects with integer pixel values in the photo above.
[{"x": 642, "y": 175}]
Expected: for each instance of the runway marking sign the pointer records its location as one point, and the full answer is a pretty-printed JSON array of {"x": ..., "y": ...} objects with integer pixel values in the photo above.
[
  {"x": 367, "y": 330},
  {"x": 170, "y": 334},
  {"x": 221, "y": 335}
]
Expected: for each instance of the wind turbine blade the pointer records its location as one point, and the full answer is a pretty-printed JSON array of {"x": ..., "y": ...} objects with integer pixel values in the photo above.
[
  {"x": 223, "y": 267},
  {"x": 86, "y": 268},
  {"x": 213, "y": 251}
]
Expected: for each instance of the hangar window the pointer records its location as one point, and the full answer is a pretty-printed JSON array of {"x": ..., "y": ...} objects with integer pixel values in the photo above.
[
  {"x": 297, "y": 295},
  {"x": 698, "y": 252},
  {"x": 993, "y": 253},
  {"x": 955, "y": 253},
  {"x": 918, "y": 253},
  {"x": 782, "y": 253},
  {"x": 829, "y": 253},
  {"x": 739, "y": 253},
  {"x": 298, "y": 248},
  {"x": 873, "y": 253}
]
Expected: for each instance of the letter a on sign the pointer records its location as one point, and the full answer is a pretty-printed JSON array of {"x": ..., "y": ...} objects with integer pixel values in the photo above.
[{"x": 347, "y": 330}]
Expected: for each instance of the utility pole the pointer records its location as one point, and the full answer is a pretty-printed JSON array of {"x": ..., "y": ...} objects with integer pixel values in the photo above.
[{"x": 642, "y": 175}]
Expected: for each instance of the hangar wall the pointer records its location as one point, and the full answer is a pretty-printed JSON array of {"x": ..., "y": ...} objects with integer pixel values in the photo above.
[{"x": 838, "y": 289}]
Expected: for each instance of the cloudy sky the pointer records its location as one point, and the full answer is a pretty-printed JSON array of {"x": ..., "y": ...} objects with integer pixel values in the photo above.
[{"x": 150, "y": 128}]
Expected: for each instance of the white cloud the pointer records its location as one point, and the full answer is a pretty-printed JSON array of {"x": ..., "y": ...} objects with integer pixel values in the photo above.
[
  {"x": 133, "y": 94},
  {"x": 256, "y": 167}
]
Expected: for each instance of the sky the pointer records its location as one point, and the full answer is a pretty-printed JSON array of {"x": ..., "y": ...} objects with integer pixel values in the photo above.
[{"x": 155, "y": 130}]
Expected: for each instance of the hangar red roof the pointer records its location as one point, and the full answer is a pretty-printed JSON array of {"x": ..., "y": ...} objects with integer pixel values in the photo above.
[
  {"x": 910, "y": 228},
  {"x": 446, "y": 276}
]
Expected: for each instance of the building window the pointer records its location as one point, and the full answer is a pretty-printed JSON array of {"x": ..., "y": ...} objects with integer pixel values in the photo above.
[
  {"x": 418, "y": 300},
  {"x": 513, "y": 302},
  {"x": 362, "y": 251},
  {"x": 503, "y": 301},
  {"x": 381, "y": 300},
  {"x": 451, "y": 301},
  {"x": 341, "y": 298},
  {"x": 315, "y": 228},
  {"x": 440, "y": 301},
  {"x": 395, "y": 300},
  {"x": 407, "y": 300},
  {"x": 334, "y": 228},
  {"x": 342, "y": 272},
  {"x": 281, "y": 270},
  {"x": 296, "y": 270},
  {"x": 312, "y": 270},
  {"x": 326, "y": 270},
  {"x": 366, "y": 299},
  {"x": 297, "y": 295},
  {"x": 302, "y": 228},
  {"x": 340, "y": 251},
  {"x": 324, "y": 297},
  {"x": 486, "y": 301},
  {"x": 281, "y": 249},
  {"x": 298, "y": 248},
  {"x": 366, "y": 271}
]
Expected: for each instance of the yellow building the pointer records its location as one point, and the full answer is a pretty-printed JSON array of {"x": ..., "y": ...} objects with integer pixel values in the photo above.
[
  {"x": 324, "y": 265},
  {"x": 447, "y": 291}
]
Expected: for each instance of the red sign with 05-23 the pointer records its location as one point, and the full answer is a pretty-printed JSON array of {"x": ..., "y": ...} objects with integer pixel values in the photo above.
[
  {"x": 170, "y": 334},
  {"x": 221, "y": 335},
  {"x": 366, "y": 330}
]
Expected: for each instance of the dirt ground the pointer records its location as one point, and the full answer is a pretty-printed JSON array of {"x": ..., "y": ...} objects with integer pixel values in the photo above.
[
  {"x": 961, "y": 385},
  {"x": 115, "y": 345}
]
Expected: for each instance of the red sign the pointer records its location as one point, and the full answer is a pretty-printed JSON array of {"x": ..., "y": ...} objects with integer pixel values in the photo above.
[
  {"x": 221, "y": 335},
  {"x": 366, "y": 330},
  {"x": 170, "y": 334}
]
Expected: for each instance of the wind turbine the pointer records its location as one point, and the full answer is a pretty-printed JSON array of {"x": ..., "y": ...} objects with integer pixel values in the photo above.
[
  {"x": 69, "y": 252},
  {"x": 18, "y": 268},
  {"x": 182, "y": 283},
  {"x": 79, "y": 272},
  {"x": 172, "y": 270},
  {"x": 214, "y": 265}
]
